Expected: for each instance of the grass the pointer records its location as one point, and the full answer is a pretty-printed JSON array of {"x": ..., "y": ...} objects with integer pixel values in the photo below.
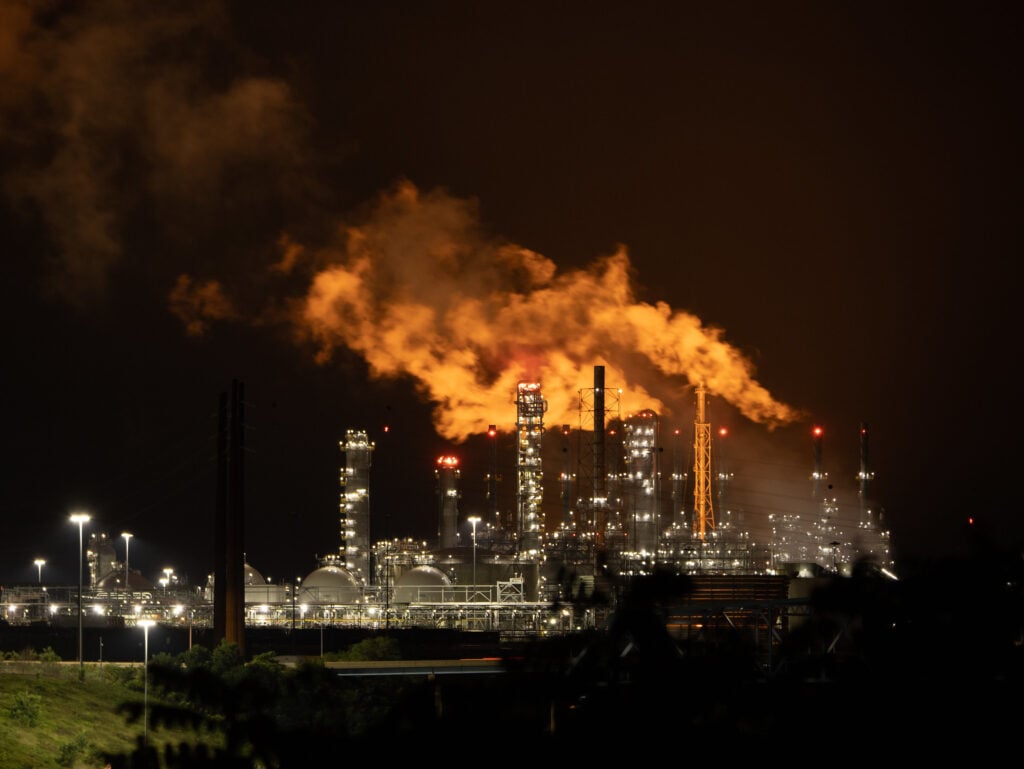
[{"x": 49, "y": 719}]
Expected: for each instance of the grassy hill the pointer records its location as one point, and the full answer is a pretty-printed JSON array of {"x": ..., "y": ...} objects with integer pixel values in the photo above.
[{"x": 49, "y": 719}]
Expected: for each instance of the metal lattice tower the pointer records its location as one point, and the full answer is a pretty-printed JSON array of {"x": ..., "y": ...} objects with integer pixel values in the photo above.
[
  {"x": 355, "y": 503},
  {"x": 703, "y": 510}
]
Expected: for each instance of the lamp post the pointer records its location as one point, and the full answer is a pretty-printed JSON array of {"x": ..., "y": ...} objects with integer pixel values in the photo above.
[
  {"x": 40, "y": 563},
  {"x": 145, "y": 624},
  {"x": 167, "y": 578},
  {"x": 80, "y": 519},
  {"x": 127, "y": 590},
  {"x": 474, "y": 520}
]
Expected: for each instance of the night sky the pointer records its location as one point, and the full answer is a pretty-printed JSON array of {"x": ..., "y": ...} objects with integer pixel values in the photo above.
[{"x": 386, "y": 214}]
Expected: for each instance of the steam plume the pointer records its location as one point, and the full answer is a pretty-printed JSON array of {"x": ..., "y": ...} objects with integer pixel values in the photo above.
[{"x": 419, "y": 291}]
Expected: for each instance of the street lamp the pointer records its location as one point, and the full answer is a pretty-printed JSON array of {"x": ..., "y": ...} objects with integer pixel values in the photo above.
[
  {"x": 80, "y": 519},
  {"x": 145, "y": 624},
  {"x": 167, "y": 576},
  {"x": 474, "y": 520},
  {"x": 127, "y": 537},
  {"x": 40, "y": 563}
]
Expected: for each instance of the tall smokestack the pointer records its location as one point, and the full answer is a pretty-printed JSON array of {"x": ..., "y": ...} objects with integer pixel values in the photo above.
[
  {"x": 599, "y": 459},
  {"x": 220, "y": 526},
  {"x": 818, "y": 475},
  {"x": 229, "y": 534}
]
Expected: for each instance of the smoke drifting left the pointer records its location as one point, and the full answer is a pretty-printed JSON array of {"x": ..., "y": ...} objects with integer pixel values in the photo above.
[
  {"x": 118, "y": 119},
  {"x": 418, "y": 291},
  {"x": 126, "y": 123}
]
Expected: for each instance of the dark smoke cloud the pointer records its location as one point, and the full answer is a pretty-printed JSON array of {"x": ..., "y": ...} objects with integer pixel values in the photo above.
[{"x": 114, "y": 107}]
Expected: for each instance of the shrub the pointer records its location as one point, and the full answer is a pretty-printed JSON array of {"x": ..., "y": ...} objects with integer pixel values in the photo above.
[
  {"x": 119, "y": 674},
  {"x": 26, "y": 708},
  {"x": 68, "y": 752}
]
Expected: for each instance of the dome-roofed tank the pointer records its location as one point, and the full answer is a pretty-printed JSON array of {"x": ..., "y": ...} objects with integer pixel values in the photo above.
[
  {"x": 330, "y": 584},
  {"x": 253, "y": 577},
  {"x": 410, "y": 585}
]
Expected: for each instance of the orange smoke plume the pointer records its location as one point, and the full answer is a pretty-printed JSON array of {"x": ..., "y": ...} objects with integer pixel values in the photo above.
[
  {"x": 196, "y": 305},
  {"x": 418, "y": 291}
]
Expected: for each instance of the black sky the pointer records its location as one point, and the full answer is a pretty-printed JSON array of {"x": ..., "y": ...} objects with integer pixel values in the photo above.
[{"x": 833, "y": 185}]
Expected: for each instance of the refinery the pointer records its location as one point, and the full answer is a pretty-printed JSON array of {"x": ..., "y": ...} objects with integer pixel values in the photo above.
[{"x": 517, "y": 570}]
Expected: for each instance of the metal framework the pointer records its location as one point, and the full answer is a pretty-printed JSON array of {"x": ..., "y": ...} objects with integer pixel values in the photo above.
[{"x": 703, "y": 510}]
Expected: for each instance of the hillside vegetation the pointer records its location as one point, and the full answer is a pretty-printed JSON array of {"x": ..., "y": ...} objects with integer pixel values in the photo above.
[
  {"x": 49, "y": 719},
  {"x": 207, "y": 708}
]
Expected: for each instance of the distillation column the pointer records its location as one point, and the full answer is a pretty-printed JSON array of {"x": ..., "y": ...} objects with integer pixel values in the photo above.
[
  {"x": 703, "y": 512},
  {"x": 642, "y": 472},
  {"x": 447, "y": 474},
  {"x": 530, "y": 408},
  {"x": 355, "y": 504}
]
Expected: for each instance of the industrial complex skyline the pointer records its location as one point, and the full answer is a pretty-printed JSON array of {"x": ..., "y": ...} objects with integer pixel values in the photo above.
[{"x": 386, "y": 217}]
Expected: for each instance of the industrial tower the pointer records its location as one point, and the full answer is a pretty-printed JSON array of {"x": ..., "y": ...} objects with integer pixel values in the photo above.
[
  {"x": 678, "y": 484},
  {"x": 873, "y": 539},
  {"x": 355, "y": 504},
  {"x": 530, "y": 408},
  {"x": 642, "y": 515},
  {"x": 703, "y": 512},
  {"x": 447, "y": 474},
  {"x": 864, "y": 475},
  {"x": 596, "y": 405},
  {"x": 828, "y": 541}
]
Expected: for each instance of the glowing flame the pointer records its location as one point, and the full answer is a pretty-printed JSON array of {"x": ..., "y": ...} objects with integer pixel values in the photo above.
[{"x": 419, "y": 292}]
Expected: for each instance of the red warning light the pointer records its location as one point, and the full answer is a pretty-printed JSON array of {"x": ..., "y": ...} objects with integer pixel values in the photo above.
[
  {"x": 970, "y": 520},
  {"x": 492, "y": 430},
  {"x": 817, "y": 431},
  {"x": 723, "y": 431},
  {"x": 387, "y": 428}
]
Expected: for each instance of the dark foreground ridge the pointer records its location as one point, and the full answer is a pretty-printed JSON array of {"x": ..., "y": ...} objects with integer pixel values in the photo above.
[{"x": 926, "y": 664}]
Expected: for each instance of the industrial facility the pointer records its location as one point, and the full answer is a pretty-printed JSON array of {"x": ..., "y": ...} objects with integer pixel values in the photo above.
[{"x": 623, "y": 512}]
